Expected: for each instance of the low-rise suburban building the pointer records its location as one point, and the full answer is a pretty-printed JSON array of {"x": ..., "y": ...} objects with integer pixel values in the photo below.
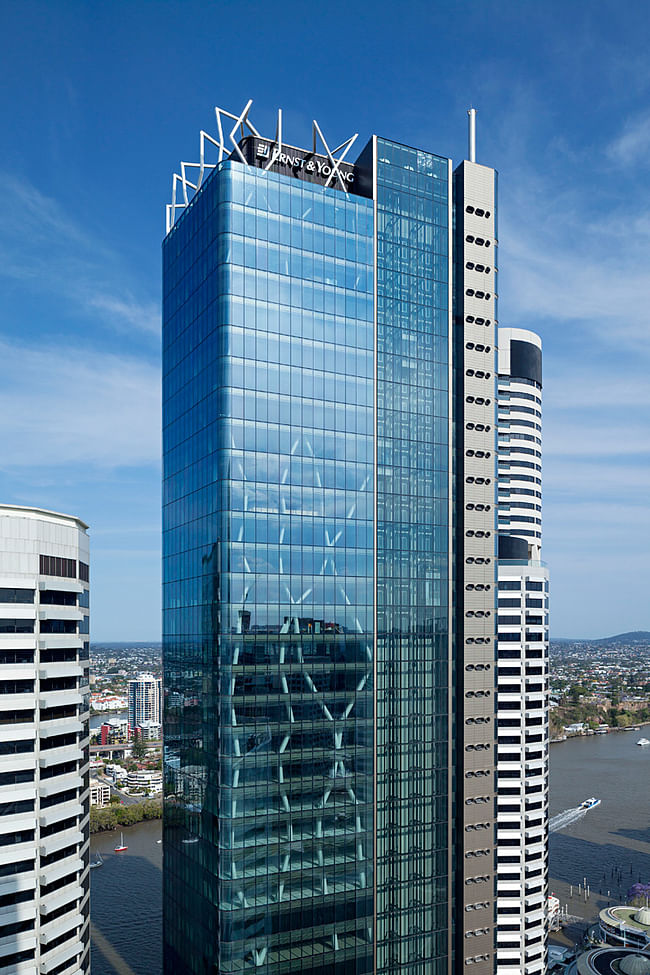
[
  {"x": 148, "y": 779},
  {"x": 149, "y": 730},
  {"x": 100, "y": 793}
]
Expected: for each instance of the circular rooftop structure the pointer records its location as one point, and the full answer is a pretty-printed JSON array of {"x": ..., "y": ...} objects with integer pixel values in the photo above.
[
  {"x": 643, "y": 916},
  {"x": 635, "y": 965},
  {"x": 612, "y": 961}
]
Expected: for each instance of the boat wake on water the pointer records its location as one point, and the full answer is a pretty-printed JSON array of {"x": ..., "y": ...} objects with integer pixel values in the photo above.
[{"x": 571, "y": 816}]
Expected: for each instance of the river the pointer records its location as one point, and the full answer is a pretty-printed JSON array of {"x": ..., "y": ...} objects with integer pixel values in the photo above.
[
  {"x": 609, "y": 845},
  {"x": 97, "y": 718},
  {"x": 126, "y": 902}
]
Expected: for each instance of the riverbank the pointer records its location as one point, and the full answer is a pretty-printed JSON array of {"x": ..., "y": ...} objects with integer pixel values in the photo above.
[
  {"x": 609, "y": 846},
  {"x": 591, "y": 734},
  {"x": 110, "y": 817}
]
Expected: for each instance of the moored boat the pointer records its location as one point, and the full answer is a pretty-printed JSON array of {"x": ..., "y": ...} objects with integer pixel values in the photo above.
[
  {"x": 643, "y": 741},
  {"x": 122, "y": 847}
]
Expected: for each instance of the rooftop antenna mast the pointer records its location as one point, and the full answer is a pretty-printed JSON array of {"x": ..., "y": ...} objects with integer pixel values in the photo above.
[{"x": 471, "y": 115}]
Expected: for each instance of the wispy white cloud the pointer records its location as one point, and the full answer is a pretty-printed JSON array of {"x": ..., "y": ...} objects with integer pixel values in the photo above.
[
  {"x": 574, "y": 242},
  {"x": 558, "y": 270},
  {"x": 143, "y": 316},
  {"x": 63, "y": 406},
  {"x": 43, "y": 247},
  {"x": 598, "y": 438},
  {"x": 579, "y": 386},
  {"x": 583, "y": 479},
  {"x": 632, "y": 145}
]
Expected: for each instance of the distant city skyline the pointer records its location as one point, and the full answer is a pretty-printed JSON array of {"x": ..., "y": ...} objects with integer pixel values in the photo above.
[{"x": 97, "y": 104}]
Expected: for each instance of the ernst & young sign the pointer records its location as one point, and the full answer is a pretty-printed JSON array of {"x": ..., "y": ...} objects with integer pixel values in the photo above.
[
  {"x": 318, "y": 166},
  {"x": 300, "y": 163}
]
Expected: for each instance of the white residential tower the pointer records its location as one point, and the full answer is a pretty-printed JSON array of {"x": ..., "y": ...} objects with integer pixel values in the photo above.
[
  {"x": 44, "y": 701},
  {"x": 522, "y": 698},
  {"x": 145, "y": 693}
]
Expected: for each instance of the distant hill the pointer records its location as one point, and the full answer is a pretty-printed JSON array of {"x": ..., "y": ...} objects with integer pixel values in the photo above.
[{"x": 636, "y": 636}]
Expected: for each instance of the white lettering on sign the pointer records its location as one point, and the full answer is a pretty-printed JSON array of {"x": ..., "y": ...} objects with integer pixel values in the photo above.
[{"x": 312, "y": 166}]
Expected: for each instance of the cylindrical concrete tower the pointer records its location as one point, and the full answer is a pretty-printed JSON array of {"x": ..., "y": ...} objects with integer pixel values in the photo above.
[
  {"x": 44, "y": 702},
  {"x": 522, "y": 698}
]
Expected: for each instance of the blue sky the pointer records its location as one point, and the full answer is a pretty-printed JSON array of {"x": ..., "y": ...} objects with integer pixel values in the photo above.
[{"x": 100, "y": 101}]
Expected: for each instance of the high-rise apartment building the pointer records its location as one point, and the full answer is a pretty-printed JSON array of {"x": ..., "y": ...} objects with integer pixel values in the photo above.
[
  {"x": 44, "y": 765},
  {"x": 522, "y": 699},
  {"x": 145, "y": 700},
  {"x": 329, "y": 559}
]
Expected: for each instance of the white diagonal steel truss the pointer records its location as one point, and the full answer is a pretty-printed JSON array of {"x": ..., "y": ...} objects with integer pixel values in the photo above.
[
  {"x": 251, "y": 738},
  {"x": 192, "y": 174}
]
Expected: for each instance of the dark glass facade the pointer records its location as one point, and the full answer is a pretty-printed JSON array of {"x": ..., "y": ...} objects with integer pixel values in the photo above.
[
  {"x": 307, "y": 573},
  {"x": 269, "y": 590},
  {"x": 412, "y": 193}
]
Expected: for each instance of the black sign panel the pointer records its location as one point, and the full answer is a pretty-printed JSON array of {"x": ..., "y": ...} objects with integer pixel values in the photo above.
[
  {"x": 302, "y": 164},
  {"x": 525, "y": 361}
]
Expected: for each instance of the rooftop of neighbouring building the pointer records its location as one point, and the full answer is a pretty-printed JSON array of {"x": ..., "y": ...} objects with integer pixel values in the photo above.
[
  {"x": 27, "y": 511},
  {"x": 637, "y": 918},
  {"x": 611, "y": 961}
]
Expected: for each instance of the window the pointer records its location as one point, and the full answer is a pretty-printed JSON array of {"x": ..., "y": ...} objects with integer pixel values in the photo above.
[
  {"x": 84, "y": 572},
  {"x": 16, "y": 747},
  {"x": 16, "y": 656},
  {"x": 58, "y": 684},
  {"x": 20, "y": 836},
  {"x": 16, "y": 777},
  {"x": 56, "y": 713},
  {"x": 16, "y": 686},
  {"x": 59, "y": 826},
  {"x": 58, "y": 626},
  {"x": 54, "y": 597},
  {"x": 16, "y": 626},
  {"x": 68, "y": 796},
  {"x": 16, "y": 717},
  {"x": 51, "y": 565},
  {"x": 15, "y": 808},
  {"x": 58, "y": 655},
  {"x": 58, "y": 741},
  {"x": 57, "y": 884},
  {"x": 63, "y": 768},
  {"x": 16, "y": 595},
  {"x": 17, "y": 897}
]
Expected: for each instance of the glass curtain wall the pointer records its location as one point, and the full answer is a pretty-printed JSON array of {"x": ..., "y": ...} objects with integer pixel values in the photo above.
[
  {"x": 269, "y": 589},
  {"x": 412, "y": 560}
]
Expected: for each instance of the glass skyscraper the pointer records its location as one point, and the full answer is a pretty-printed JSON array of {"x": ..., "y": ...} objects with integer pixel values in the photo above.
[{"x": 317, "y": 813}]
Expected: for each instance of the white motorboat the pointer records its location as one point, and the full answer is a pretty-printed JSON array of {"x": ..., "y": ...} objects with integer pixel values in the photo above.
[{"x": 590, "y": 803}]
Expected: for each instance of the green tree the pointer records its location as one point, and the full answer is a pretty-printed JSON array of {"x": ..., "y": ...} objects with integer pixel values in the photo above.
[{"x": 138, "y": 748}]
